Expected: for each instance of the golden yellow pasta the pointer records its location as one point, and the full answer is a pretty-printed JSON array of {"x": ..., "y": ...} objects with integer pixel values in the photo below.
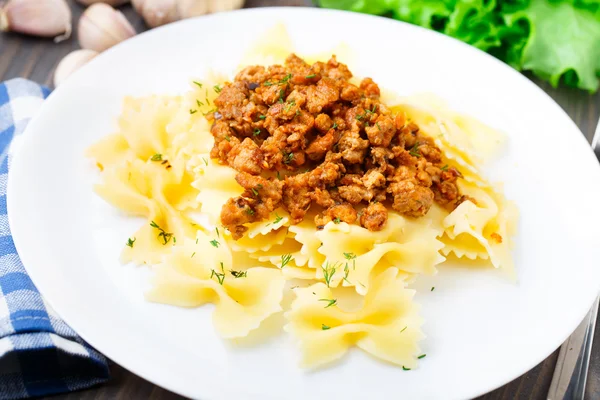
[{"x": 387, "y": 326}]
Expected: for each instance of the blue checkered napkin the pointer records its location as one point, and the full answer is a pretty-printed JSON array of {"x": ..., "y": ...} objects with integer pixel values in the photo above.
[{"x": 39, "y": 353}]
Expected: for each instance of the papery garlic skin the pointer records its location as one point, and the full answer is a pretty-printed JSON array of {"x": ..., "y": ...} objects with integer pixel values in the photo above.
[
  {"x": 112, "y": 3},
  {"x": 101, "y": 27},
  {"x": 72, "y": 62},
  {"x": 49, "y": 18},
  {"x": 157, "y": 12}
]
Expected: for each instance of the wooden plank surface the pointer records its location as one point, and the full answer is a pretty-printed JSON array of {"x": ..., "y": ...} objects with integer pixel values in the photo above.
[{"x": 36, "y": 59}]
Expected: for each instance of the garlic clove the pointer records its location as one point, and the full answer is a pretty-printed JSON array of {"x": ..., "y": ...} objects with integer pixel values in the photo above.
[
  {"x": 112, "y": 3},
  {"x": 38, "y": 18},
  {"x": 101, "y": 27},
  {"x": 192, "y": 8},
  {"x": 157, "y": 12},
  {"x": 70, "y": 63},
  {"x": 225, "y": 5}
]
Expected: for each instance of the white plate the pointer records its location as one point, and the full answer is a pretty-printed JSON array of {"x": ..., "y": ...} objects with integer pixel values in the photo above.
[{"x": 482, "y": 330}]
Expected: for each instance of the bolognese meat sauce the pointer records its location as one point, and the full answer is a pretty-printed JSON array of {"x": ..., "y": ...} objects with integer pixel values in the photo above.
[{"x": 303, "y": 135}]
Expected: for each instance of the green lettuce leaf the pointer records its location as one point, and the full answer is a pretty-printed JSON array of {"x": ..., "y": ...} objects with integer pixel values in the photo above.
[
  {"x": 376, "y": 7},
  {"x": 563, "y": 43},
  {"x": 559, "y": 40}
]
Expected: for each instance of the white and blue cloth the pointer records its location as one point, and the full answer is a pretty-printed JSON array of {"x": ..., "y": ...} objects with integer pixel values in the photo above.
[{"x": 39, "y": 353}]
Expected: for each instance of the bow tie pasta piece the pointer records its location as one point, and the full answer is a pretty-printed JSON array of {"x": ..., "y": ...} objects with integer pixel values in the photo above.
[
  {"x": 387, "y": 326},
  {"x": 138, "y": 188},
  {"x": 354, "y": 254},
  {"x": 304, "y": 233},
  {"x": 482, "y": 230},
  {"x": 216, "y": 185},
  {"x": 196, "y": 274},
  {"x": 143, "y": 123}
]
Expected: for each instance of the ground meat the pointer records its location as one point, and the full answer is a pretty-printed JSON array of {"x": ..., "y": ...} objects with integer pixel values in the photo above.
[
  {"x": 296, "y": 196},
  {"x": 320, "y": 146},
  {"x": 339, "y": 147},
  {"x": 246, "y": 157},
  {"x": 374, "y": 217},
  {"x": 410, "y": 198},
  {"x": 323, "y": 95},
  {"x": 235, "y": 213},
  {"x": 352, "y": 147}
]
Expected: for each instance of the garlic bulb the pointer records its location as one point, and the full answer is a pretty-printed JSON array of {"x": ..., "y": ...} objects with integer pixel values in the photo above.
[
  {"x": 70, "y": 63},
  {"x": 157, "y": 12},
  {"x": 39, "y": 18},
  {"x": 112, "y": 3},
  {"x": 101, "y": 27},
  {"x": 212, "y": 6},
  {"x": 160, "y": 12}
]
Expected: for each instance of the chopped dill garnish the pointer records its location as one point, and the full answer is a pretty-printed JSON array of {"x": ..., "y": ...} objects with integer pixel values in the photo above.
[
  {"x": 268, "y": 83},
  {"x": 415, "y": 150},
  {"x": 239, "y": 274},
  {"x": 346, "y": 272},
  {"x": 328, "y": 272},
  {"x": 156, "y": 157},
  {"x": 193, "y": 111},
  {"x": 337, "y": 220},
  {"x": 249, "y": 211},
  {"x": 166, "y": 236},
  {"x": 330, "y": 302},
  {"x": 220, "y": 276},
  {"x": 198, "y": 84},
  {"x": 378, "y": 127},
  {"x": 403, "y": 329},
  {"x": 256, "y": 132},
  {"x": 262, "y": 116},
  {"x": 217, "y": 88},
  {"x": 205, "y": 161},
  {"x": 285, "y": 259},
  {"x": 130, "y": 242},
  {"x": 228, "y": 138},
  {"x": 254, "y": 192},
  {"x": 215, "y": 243},
  {"x": 422, "y": 356},
  {"x": 281, "y": 94},
  {"x": 335, "y": 125},
  {"x": 277, "y": 218},
  {"x": 444, "y": 168},
  {"x": 285, "y": 79},
  {"x": 360, "y": 116},
  {"x": 199, "y": 103},
  {"x": 217, "y": 230},
  {"x": 405, "y": 369},
  {"x": 278, "y": 175},
  {"x": 209, "y": 111},
  {"x": 310, "y": 76},
  {"x": 432, "y": 288},
  {"x": 193, "y": 254},
  {"x": 287, "y": 157},
  {"x": 289, "y": 105},
  {"x": 351, "y": 256},
  {"x": 324, "y": 327}
]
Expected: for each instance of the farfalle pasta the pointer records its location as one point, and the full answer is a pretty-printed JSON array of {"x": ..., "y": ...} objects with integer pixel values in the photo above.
[
  {"x": 222, "y": 174},
  {"x": 387, "y": 326}
]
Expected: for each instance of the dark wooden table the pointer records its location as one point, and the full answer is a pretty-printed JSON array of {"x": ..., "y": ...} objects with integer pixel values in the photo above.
[{"x": 35, "y": 59}]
